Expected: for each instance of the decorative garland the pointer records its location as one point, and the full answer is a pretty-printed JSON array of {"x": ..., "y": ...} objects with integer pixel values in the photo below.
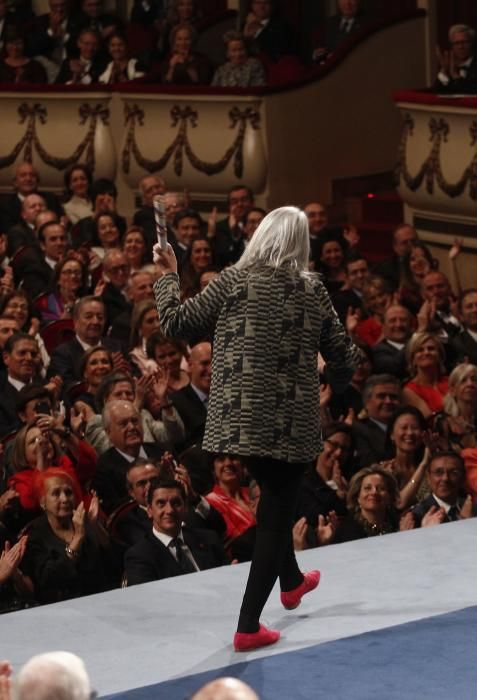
[
  {"x": 30, "y": 140},
  {"x": 185, "y": 117},
  {"x": 431, "y": 168}
]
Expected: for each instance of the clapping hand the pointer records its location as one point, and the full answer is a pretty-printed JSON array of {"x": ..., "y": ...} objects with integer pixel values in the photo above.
[{"x": 326, "y": 528}]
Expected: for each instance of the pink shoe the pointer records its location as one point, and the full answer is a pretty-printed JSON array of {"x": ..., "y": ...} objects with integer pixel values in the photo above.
[
  {"x": 292, "y": 599},
  {"x": 244, "y": 641}
]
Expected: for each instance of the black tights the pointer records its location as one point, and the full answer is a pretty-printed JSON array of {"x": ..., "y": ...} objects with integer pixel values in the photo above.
[{"x": 273, "y": 554}]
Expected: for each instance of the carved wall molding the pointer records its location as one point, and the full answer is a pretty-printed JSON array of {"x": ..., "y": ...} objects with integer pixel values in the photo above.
[
  {"x": 431, "y": 169},
  {"x": 30, "y": 142},
  {"x": 185, "y": 118}
]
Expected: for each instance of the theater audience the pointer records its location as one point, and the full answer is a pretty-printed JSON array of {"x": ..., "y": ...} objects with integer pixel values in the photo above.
[
  {"x": 184, "y": 66},
  {"x": 391, "y": 269},
  {"x": 456, "y": 425},
  {"x": 69, "y": 283},
  {"x": 268, "y": 34},
  {"x": 240, "y": 70},
  {"x": 78, "y": 181},
  {"x": 119, "y": 386},
  {"x": 170, "y": 548},
  {"x": 96, "y": 364},
  {"x": 448, "y": 500},
  {"x": 388, "y": 355},
  {"x": 324, "y": 487},
  {"x": 144, "y": 322},
  {"x": 377, "y": 298},
  {"x": 149, "y": 186},
  {"x": 437, "y": 315},
  {"x": 67, "y": 550},
  {"x": 169, "y": 354},
  {"x": 88, "y": 321},
  {"x": 230, "y": 498},
  {"x": 372, "y": 507},
  {"x": 86, "y": 67},
  {"x": 458, "y": 65},
  {"x": 381, "y": 397},
  {"x": 198, "y": 257},
  {"x": 123, "y": 426},
  {"x": 417, "y": 262},
  {"x": 463, "y": 346},
  {"x": 429, "y": 383},
  {"x": 121, "y": 68},
  {"x": 330, "y": 255},
  {"x": 16, "y": 67},
  {"x": 351, "y": 294},
  {"x": 407, "y": 435},
  {"x": 135, "y": 248}
]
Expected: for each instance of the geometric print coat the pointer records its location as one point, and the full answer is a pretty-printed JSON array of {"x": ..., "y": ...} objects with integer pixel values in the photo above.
[{"x": 268, "y": 327}]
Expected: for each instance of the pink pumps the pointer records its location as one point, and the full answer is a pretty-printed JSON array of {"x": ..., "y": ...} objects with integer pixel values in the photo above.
[
  {"x": 292, "y": 599},
  {"x": 244, "y": 641}
]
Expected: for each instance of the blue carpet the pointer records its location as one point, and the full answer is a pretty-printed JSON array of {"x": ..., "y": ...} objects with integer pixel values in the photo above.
[{"x": 433, "y": 659}]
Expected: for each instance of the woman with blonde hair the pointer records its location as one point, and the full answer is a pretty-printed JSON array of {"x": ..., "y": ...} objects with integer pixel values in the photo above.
[
  {"x": 457, "y": 424},
  {"x": 428, "y": 385},
  {"x": 270, "y": 317}
]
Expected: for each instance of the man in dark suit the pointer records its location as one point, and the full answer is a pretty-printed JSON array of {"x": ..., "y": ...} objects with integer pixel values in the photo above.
[
  {"x": 89, "y": 319},
  {"x": 20, "y": 355},
  {"x": 388, "y": 355},
  {"x": 268, "y": 34},
  {"x": 116, "y": 272},
  {"x": 139, "y": 287},
  {"x": 35, "y": 269},
  {"x": 26, "y": 182},
  {"x": 347, "y": 21},
  {"x": 228, "y": 239},
  {"x": 381, "y": 397},
  {"x": 357, "y": 272},
  {"x": 23, "y": 233},
  {"x": 458, "y": 66},
  {"x": 403, "y": 238},
  {"x": 150, "y": 186},
  {"x": 446, "y": 476},
  {"x": 84, "y": 66},
  {"x": 191, "y": 401},
  {"x": 52, "y": 32},
  {"x": 122, "y": 423},
  {"x": 436, "y": 314},
  {"x": 170, "y": 549},
  {"x": 135, "y": 523},
  {"x": 187, "y": 225},
  {"x": 463, "y": 346}
]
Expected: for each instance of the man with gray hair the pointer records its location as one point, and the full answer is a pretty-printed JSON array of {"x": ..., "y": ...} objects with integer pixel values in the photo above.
[
  {"x": 123, "y": 426},
  {"x": 56, "y": 674},
  {"x": 381, "y": 397},
  {"x": 458, "y": 66}
]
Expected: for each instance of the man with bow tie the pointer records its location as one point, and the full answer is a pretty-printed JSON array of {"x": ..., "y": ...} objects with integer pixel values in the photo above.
[{"x": 458, "y": 66}]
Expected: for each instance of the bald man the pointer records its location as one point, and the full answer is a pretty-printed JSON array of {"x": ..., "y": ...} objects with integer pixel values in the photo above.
[
  {"x": 191, "y": 401},
  {"x": 225, "y": 689}
]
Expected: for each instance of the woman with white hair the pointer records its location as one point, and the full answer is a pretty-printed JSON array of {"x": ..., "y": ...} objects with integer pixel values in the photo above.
[{"x": 270, "y": 318}]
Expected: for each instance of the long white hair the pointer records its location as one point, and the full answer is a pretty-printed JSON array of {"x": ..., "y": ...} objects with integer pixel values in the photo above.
[{"x": 281, "y": 240}]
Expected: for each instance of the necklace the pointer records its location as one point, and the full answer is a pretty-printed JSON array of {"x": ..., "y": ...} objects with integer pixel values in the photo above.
[{"x": 373, "y": 529}]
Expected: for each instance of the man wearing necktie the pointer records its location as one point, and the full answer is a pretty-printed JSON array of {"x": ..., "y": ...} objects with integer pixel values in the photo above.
[
  {"x": 458, "y": 66},
  {"x": 339, "y": 27},
  {"x": 446, "y": 502},
  {"x": 171, "y": 548}
]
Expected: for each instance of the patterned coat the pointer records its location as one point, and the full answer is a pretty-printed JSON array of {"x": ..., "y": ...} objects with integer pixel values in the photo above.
[{"x": 269, "y": 327}]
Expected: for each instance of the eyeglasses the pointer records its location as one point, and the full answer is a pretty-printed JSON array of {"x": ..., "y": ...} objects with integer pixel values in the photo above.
[
  {"x": 440, "y": 472},
  {"x": 20, "y": 307}
]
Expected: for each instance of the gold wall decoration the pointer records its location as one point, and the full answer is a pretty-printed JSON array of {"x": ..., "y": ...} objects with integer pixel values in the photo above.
[
  {"x": 431, "y": 169},
  {"x": 185, "y": 117},
  {"x": 30, "y": 141}
]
